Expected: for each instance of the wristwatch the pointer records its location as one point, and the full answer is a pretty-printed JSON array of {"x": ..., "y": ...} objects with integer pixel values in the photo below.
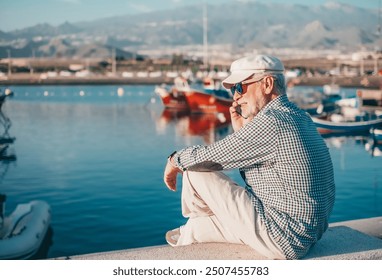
[
  {"x": 169, "y": 159},
  {"x": 172, "y": 154}
]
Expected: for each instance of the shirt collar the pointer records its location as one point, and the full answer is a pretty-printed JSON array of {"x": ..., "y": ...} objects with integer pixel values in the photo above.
[{"x": 275, "y": 103}]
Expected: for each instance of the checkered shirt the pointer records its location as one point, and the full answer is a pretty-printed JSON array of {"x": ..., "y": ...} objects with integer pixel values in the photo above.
[{"x": 287, "y": 169}]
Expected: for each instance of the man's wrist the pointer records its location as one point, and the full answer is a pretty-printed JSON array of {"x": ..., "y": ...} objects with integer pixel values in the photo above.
[{"x": 170, "y": 160}]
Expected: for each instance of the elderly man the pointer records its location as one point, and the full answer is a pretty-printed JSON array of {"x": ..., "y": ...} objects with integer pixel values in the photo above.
[{"x": 289, "y": 186}]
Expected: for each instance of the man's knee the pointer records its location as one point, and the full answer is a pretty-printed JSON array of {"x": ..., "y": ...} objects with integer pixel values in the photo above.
[{"x": 195, "y": 177}]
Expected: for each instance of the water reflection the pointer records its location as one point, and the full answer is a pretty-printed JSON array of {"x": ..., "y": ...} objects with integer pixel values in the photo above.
[
  {"x": 6, "y": 124},
  {"x": 367, "y": 141},
  {"x": 7, "y": 153},
  {"x": 25, "y": 232},
  {"x": 374, "y": 150},
  {"x": 4, "y": 119},
  {"x": 211, "y": 127},
  {"x": 374, "y": 143}
]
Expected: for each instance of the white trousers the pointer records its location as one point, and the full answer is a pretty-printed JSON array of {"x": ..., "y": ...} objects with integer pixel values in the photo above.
[{"x": 220, "y": 211}]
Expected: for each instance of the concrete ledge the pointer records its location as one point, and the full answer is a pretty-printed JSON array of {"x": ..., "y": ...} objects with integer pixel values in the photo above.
[
  {"x": 206, "y": 251},
  {"x": 344, "y": 243},
  {"x": 369, "y": 226},
  {"x": 338, "y": 243}
]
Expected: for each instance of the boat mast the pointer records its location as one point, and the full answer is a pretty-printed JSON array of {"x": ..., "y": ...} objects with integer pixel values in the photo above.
[
  {"x": 205, "y": 38},
  {"x": 379, "y": 19},
  {"x": 114, "y": 62}
]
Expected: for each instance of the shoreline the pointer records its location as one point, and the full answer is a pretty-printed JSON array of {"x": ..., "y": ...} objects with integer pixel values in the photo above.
[
  {"x": 35, "y": 80},
  {"x": 368, "y": 82}
]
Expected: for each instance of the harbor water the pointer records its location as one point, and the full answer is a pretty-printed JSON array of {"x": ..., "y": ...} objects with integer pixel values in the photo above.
[{"x": 96, "y": 154}]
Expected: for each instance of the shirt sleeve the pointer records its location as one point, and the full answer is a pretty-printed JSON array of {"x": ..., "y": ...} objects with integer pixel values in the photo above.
[{"x": 253, "y": 144}]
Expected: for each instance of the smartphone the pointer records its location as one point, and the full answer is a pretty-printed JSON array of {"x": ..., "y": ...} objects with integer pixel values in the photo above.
[{"x": 238, "y": 110}]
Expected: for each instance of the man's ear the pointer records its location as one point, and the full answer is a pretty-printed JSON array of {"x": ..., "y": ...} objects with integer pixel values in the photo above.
[{"x": 268, "y": 84}]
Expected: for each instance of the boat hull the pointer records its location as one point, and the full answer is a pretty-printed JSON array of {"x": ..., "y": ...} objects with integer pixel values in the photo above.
[
  {"x": 200, "y": 102},
  {"x": 172, "y": 99},
  {"x": 326, "y": 127},
  {"x": 24, "y": 230}
]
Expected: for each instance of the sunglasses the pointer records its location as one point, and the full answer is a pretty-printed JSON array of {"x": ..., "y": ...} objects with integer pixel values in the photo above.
[{"x": 239, "y": 86}]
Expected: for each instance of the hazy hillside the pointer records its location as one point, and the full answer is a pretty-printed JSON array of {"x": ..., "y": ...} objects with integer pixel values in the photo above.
[{"x": 330, "y": 26}]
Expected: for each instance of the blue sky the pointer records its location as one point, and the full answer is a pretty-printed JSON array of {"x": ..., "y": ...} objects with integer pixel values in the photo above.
[{"x": 16, "y": 14}]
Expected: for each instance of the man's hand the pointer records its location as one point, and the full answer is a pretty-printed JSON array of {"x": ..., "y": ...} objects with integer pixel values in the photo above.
[{"x": 170, "y": 174}]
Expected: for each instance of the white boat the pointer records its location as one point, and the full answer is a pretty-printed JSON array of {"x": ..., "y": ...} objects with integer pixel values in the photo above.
[{"x": 23, "y": 231}]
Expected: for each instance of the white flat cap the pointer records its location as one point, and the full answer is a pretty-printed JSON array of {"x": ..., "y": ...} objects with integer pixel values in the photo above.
[{"x": 245, "y": 67}]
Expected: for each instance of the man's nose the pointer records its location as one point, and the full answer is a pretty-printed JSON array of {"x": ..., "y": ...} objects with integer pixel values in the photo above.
[{"x": 236, "y": 96}]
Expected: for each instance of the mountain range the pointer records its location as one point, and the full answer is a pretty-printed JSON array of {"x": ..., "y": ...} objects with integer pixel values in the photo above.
[{"x": 242, "y": 25}]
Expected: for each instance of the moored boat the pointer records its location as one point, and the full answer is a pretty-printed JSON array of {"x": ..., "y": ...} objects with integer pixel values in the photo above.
[
  {"x": 342, "y": 127},
  {"x": 23, "y": 231},
  {"x": 173, "y": 98},
  {"x": 201, "y": 102},
  {"x": 212, "y": 99},
  {"x": 209, "y": 99}
]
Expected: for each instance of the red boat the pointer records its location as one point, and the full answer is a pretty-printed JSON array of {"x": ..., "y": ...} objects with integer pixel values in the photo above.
[
  {"x": 202, "y": 102},
  {"x": 207, "y": 100},
  {"x": 174, "y": 98}
]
